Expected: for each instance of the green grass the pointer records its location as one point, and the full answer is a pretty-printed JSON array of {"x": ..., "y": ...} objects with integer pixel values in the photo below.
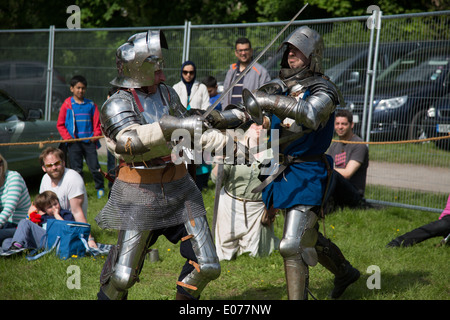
[
  {"x": 410, "y": 153},
  {"x": 416, "y": 273}
]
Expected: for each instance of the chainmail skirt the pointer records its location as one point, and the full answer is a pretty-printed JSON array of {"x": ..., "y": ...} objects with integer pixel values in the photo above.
[{"x": 134, "y": 206}]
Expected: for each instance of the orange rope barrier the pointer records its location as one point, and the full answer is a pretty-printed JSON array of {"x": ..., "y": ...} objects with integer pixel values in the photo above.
[{"x": 41, "y": 143}]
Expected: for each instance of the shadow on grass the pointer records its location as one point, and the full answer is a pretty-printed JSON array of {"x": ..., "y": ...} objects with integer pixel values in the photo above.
[
  {"x": 267, "y": 292},
  {"x": 392, "y": 286}
]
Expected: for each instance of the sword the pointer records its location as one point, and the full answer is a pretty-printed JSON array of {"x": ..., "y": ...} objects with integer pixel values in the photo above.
[{"x": 243, "y": 73}]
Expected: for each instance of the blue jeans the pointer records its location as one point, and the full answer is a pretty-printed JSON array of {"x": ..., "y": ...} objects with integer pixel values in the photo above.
[
  {"x": 27, "y": 234},
  {"x": 7, "y": 231},
  {"x": 79, "y": 150}
]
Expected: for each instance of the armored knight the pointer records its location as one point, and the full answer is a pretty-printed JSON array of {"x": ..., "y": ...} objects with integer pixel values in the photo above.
[
  {"x": 151, "y": 195},
  {"x": 301, "y": 105}
]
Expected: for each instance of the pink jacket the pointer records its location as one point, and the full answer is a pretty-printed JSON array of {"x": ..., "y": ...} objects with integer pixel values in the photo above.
[{"x": 446, "y": 210}]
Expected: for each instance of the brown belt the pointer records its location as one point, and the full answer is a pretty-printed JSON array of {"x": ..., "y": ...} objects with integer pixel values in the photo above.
[{"x": 169, "y": 173}]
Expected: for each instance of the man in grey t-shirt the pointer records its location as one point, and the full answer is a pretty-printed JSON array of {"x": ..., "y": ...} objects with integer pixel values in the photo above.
[{"x": 350, "y": 163}]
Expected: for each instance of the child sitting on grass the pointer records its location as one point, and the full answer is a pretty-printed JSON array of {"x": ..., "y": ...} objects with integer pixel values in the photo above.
[{"x": 30, "y": 231}]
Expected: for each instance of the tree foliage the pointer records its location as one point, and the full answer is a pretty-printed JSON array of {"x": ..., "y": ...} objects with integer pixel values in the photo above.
[{"x": 24, "y": 14}]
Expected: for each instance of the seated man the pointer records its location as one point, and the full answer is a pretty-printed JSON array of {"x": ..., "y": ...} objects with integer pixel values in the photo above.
[
  {"x": 66, "y": 183},
  {"x": 350, "y": 164}
]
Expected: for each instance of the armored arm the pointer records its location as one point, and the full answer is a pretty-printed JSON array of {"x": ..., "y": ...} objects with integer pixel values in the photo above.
[
  {"x": 121, "y": 125},
  {"x": 232, "y": 117},
  {"x": 311, "y": 113}
]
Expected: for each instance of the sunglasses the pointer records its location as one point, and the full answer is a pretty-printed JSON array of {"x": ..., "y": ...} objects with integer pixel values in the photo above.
[
  {"x": 49, "y": 165},
  {"x": 188, "y": 72}
]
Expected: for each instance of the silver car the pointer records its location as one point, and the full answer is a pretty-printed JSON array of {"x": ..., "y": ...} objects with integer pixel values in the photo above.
[
  {"x": 17, "y": 127},
  {"x": 26, "y": 81}
]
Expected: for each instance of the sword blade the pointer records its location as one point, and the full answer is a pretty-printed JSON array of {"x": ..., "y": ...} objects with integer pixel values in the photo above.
[{"x": 243, "y": 73}]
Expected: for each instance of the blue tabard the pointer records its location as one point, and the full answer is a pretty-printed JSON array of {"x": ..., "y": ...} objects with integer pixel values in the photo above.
[{"x": 301, "y": 183}]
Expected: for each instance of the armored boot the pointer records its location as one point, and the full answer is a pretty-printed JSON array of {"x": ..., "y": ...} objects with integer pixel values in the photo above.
[{"x": 331, "y": 257}]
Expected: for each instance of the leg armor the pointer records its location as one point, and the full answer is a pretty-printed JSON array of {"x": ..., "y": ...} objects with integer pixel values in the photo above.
[
  {"x": 297, "y": 249},
  {"x": 207, "y": 266},
  {"x": 124, "y": 264}
]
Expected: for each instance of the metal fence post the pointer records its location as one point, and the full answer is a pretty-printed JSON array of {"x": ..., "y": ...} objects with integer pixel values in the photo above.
[
  {"x": 187, "y": 41},
  {"x": 366, "y": 91},
  {"x": 48, "y": 94},
  {"x": 374, "y": 75}
]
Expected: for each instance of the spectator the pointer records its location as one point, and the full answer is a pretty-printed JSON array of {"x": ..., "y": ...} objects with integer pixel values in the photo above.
[
  {"x": 192, "y": 93},
  {"x": 211, "y": 84},
  {"x": 14, "y": 200},
  {"x": 79, "y": 118},
  {"x": 351, "y": 161},
  {"x": 438, "y": 228},
  {"x": 30, "y": 232},
  {"x": 239, "y": 228},
  {"x": 194, "y": 96},
  {"x": 66, "y": 183},
  {"x": 254, "y": 79}
]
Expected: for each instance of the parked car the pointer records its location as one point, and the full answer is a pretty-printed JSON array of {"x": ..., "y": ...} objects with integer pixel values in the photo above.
[
  {"x": 351, "y": 73},
  {"x": 404, "y": 93},
  {"x": 20, "y": 125},
  {"x": 26, "y": 81},
  {"x": 438, "y": 121}
]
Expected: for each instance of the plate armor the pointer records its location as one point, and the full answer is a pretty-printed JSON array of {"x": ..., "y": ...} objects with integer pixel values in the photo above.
[{"x": 150, "y": 194}]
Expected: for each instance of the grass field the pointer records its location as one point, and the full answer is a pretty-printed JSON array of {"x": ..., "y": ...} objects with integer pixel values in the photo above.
[{"x": 416, "y": 273}]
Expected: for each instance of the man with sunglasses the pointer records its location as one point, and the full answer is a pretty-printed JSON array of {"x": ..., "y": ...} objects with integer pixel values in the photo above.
[
  {"x": 254, "y": 79},
  {"x": 66, "y": 183}
]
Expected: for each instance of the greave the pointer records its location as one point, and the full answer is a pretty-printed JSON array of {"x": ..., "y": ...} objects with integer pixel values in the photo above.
[
  {"x": 297, "y": 249},
  {"x": 124, "y": 264},
  {"x": 207, "y": 267},
  {"x": 297, "y": 275}
]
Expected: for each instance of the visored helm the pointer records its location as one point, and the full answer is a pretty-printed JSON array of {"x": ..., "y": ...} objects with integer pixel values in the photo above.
[
  {"x": 310, "y": 43},
  {"x": 139, "y": 58}
]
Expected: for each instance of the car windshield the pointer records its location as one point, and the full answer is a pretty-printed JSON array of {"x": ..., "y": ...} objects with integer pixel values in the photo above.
[
  {"x": 416, "y": 68},
  {"x": 8, "y": 110}
]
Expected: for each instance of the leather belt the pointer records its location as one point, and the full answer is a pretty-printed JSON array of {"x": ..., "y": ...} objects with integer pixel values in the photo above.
[
  {"x": 244, "y": 202},
  {"x": 148, "y": 163}
]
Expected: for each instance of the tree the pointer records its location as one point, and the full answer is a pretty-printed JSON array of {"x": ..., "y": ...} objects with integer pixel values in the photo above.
[{"x": 25, "y": 14}]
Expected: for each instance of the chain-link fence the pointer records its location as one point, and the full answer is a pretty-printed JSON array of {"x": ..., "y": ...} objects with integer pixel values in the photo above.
[{"x": 399, "y": 62}]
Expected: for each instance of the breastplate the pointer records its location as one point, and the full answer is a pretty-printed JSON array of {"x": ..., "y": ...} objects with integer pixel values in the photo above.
[
  {"x": 150, "y": 108},
  {"x": 153, "y": 107}
]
